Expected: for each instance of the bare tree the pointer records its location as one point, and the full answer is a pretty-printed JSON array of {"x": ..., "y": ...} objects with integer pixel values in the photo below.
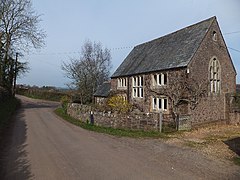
[
  {"x": 90, "y": 71},
  {"x": 183, "y": 91},
  {"x": 19, "y": 30}
]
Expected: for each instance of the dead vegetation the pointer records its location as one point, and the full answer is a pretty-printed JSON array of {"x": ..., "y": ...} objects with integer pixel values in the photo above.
[{"x": 218, "y": 141}]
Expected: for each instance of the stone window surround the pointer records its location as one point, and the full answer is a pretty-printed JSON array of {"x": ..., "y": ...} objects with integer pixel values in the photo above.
[
  {"x": 215, "y": 75},
  {"x": 159, "y": 79},
  {"x": 137, "y": 86},
  {"x": 122, "y": 83},
  {"x": 160, "y": 103}
]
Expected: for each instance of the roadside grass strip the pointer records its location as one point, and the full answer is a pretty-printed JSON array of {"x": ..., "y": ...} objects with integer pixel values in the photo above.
[{"x": 236, "y": 160}]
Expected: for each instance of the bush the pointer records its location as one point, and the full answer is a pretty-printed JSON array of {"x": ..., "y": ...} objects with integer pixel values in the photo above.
[
  {"x": 7, "y": 108},
  {"x": 64, "y": 102},
  {"x": 118, "y": 104},
  {"x": 41, "y": 94}
]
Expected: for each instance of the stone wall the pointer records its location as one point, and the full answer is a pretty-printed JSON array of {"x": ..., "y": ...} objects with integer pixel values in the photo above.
[
  {"x": 144, "y": 103},
  {"x": 234, "y": 109},
  {"x": 234, "y": 118},
  {"x": 213, "y": 107},
  {"x": 134, "y": 121}
]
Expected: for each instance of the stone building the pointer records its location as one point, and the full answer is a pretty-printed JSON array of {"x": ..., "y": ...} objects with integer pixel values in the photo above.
[
  {"x": 150, "y": 75},
  {"x": 102, "y": 93}
]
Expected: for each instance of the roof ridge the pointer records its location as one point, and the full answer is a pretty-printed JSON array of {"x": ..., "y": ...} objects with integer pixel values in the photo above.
[{"x": 192, "y": 25}]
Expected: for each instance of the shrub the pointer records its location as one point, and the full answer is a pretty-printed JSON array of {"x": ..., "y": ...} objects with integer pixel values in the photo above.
[
  {"x": 118, "y": 104},
  {"x": 64, "y": 102}
]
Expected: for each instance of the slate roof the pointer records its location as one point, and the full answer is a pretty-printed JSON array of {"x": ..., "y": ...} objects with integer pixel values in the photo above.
[
  {"x": 170, "y": 51},
  {"x": 103, "y": 90}
]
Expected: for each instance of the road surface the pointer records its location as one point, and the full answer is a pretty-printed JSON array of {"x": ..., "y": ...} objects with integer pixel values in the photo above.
[{"x": 43, "y": 146}]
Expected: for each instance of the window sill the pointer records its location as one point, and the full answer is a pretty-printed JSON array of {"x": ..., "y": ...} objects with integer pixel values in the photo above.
[
  {"x": 137, "y": 97},
  {"x": 158, "y": 111},
  {"x": 121, "y": 88},
  {"x": 159, "y": 86}
]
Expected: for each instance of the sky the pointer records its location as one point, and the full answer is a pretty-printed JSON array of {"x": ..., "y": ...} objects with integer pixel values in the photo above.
[{"x": 119, "y": 26}]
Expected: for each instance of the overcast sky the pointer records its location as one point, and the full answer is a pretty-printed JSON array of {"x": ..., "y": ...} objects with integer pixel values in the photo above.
[{"x": 119, "y": 25}]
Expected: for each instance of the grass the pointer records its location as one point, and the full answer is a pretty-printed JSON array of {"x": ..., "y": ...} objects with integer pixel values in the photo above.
[
  {"x": 42, "y": 94},
  {"x": 194, "y": 144},
  {"x": 7, "y": 108},
  {"x": 108, "y": 130},
  {"x": 236, "y": 160}
]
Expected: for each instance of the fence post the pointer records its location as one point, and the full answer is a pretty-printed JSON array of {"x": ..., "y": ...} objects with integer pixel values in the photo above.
[
  {"x": 178, "y": 122},
  {"x": 91, "y": 118},
  {"x": 160, "y": 121}
]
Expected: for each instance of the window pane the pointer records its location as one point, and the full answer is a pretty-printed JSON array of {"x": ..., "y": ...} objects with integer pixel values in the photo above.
[
  {"x": 218, "y": 86},
  {"x": 165, "y": 104},
  {"x": 159, "y": 104},
  {"x": 155, "y": 80},
  {"x": 215, "y": 85},
  {"x": 140, "y": 81},
  {"x": 154, "y": 103},
  {"x": 211, "y": 72},
  {"x": 134, "y": 81},
  {"x": 164, "y": 78},
  {"x": 211, "y": 86},
  {"x": 159, "y": 79}
]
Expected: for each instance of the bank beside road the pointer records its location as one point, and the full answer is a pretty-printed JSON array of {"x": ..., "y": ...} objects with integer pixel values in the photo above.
[{"x": 7, "y": 108}]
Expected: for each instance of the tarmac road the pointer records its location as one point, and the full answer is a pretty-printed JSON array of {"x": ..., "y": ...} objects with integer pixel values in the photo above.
[{"x": 43, "y": 146}]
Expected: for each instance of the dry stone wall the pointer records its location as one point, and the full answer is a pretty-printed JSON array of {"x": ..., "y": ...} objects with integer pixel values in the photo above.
[{"x": 134, "y": 121}]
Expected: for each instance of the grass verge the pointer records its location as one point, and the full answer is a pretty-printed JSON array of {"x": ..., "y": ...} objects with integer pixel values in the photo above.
[
  {"x": 42, "y": 94},
  {"x": 111, "y": 131},
  {"x": 47, "y": 97},
  {"x": 236, "y": 160},
  {"x": 7, "y": 108}
]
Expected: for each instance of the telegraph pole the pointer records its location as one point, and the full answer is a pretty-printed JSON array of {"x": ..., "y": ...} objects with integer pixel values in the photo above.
[{"x": 15, "y": 75}]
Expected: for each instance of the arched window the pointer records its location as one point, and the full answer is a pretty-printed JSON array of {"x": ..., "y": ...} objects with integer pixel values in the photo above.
[
  {"x": 214, "y": 36},
  {"x": 214, "y": 75}
]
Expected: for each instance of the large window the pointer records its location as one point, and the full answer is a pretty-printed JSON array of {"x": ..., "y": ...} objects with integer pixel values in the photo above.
[
  {"x": 122, "y": 83},
  {"x": 214, "y": 74},
  {"x": 137, "y": 86},
  {"x": 159, "y": 103},
  {"x": 159, "y": 79}
]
